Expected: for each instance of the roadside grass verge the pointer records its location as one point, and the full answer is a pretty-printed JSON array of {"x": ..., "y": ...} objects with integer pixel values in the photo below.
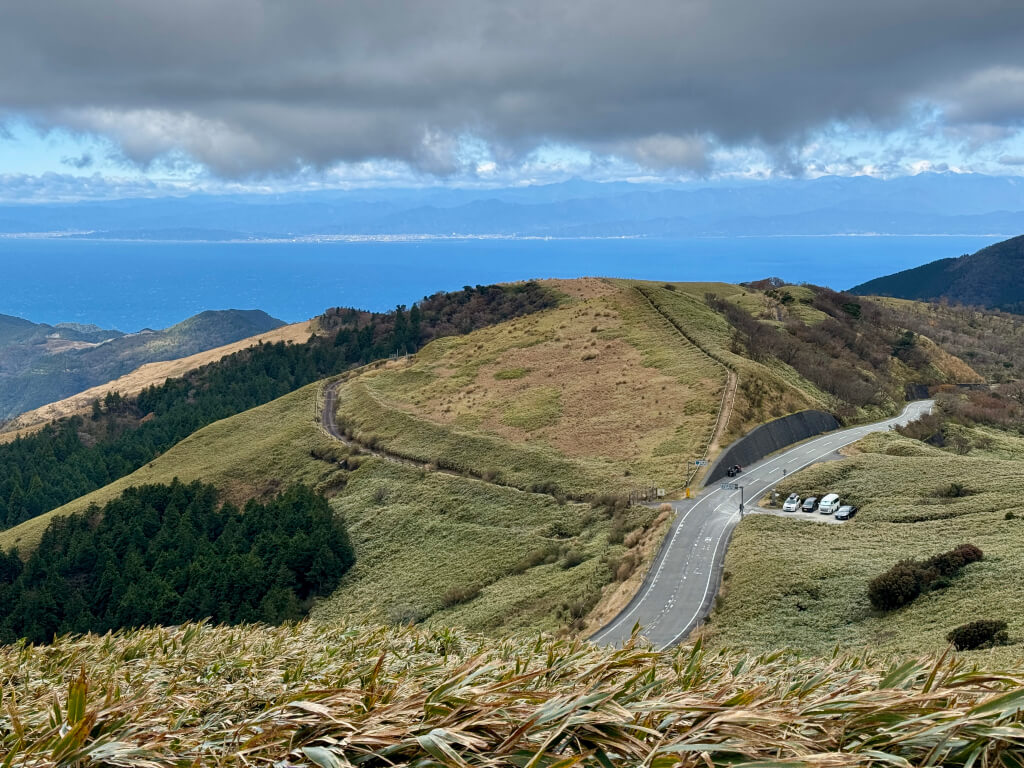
[{"x": 805, "y": 586}]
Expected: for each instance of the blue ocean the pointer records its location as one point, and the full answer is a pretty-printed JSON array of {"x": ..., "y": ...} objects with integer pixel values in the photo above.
[{"x": 133, "y": 285}]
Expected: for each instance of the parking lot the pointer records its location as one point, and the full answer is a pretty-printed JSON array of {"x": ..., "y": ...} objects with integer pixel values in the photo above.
[{"x": 813, "y": 517}]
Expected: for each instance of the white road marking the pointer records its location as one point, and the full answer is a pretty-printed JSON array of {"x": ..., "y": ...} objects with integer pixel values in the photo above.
[
  {"x": 845, "y": 438},
  {"x": 722, "y": 537}
]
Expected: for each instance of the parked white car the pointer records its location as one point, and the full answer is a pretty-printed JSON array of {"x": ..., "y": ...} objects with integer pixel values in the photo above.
[
  {"x": 829, "y": 504},
  {"x": 792, "y": 503}
]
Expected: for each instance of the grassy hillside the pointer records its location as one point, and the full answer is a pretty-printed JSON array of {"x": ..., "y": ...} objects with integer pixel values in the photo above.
[
  {"x": 364, "y": 695},
  {"x": 845, "y": 354},
  {"x": 427, "y": 544},
  {"x": 596, "y": 396},
  {"x": 803, "y": 585},
  {"x": 991, "y": 278},
  {"x": 525, "y": 432},
  {"x": 45, "y": 363},
  {"x": 992, "y": 342},
  {"x": 78, "y": 455}
]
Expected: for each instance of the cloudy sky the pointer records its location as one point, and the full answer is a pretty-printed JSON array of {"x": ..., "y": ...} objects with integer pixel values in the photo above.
[{"x": 142, "y": 95}]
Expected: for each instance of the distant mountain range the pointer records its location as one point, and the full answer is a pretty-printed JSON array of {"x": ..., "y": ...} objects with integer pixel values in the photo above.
[
  {"x": 929, "y": 203},
  {"x": 41, "y": 363},
  {"x": 992, "y": 278}
]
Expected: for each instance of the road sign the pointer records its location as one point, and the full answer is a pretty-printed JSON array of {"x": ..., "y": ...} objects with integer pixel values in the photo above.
[
  {"x": 700, "y": 463},
  {"x": 729, "y": 486}
]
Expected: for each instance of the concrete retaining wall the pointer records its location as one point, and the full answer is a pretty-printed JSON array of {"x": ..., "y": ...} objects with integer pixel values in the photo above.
[{"x": 771, "y": 437}]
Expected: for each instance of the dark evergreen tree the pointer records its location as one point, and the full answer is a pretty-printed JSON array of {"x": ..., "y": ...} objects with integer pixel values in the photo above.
[{"x": 162, "y": 554}]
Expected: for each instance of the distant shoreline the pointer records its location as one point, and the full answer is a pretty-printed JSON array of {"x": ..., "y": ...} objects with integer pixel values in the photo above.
[{"x": 424, "y": 237}]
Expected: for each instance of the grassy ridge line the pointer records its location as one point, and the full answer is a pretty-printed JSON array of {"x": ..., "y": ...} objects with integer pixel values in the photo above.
[
  {"x": 528, "y": 468},
  {"x": 303, "y": 695},
  {"x": 149, "y": 374},
  {"x": 730, "y": 382},
  {"x": 604, "y": 380}
]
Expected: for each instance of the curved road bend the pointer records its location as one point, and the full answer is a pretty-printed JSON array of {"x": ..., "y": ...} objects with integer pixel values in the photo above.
[{"x": 682, "y": 582}]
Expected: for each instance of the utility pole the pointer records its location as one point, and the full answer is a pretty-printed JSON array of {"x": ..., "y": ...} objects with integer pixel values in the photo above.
[{"x": 734, "y": 487}]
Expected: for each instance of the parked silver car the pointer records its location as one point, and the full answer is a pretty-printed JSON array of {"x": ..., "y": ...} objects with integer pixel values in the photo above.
[{"x": 792, "y": 503}]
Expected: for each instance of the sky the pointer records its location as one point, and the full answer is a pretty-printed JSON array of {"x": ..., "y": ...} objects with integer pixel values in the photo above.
[{"x": 116, "y": 98}]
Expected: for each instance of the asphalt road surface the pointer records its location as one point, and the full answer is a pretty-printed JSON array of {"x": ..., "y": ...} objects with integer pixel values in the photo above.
[{"x": 681, "y": 585}]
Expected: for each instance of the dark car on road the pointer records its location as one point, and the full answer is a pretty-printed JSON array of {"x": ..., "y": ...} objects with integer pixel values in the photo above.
[
  {"x": 845, "y": 512},
  {"x": 734, "y": 470},
  {"x": 810, "y": 504}
]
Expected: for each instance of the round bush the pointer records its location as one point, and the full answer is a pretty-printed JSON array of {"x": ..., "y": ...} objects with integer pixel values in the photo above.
[
  {"x": 983, "y": 633},
  {"x": 896, "y": 587}
]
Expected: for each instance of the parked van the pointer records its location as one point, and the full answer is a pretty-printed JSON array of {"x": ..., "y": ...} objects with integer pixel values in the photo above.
[{"x": 829, "y": 504}]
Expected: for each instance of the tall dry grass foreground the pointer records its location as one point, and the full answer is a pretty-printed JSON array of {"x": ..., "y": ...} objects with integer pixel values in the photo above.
[{"x": 307, "y": 696}]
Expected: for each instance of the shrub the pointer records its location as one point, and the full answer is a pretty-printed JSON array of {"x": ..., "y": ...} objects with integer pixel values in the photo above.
[
  {"x": 897, "y": 587},
  {"x": 533, "y": 559},
  {"x": 970, "y": 553},
  {"x": 953, "y": 491},
  {"x": 458, "y": 595},
  {"x": 1009, "y": 516},
  {"x": 633, "y": 538},
  {"x": 902, "y": 583},
  {"x": 572, "y": 558},
  {"x": 403, "y": 615},
  {"x": 983, "y": 633}
]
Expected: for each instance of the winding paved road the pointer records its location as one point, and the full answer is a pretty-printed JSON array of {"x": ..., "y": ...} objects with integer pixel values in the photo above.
[{"x": 682, "y": 582}]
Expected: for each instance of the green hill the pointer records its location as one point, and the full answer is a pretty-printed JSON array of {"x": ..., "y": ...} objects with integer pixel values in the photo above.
[
  {"x": 993, "y": 278},
  {"x": 41, "y": 363}
]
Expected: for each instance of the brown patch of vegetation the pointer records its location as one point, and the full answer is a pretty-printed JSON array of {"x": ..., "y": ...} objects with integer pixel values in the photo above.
[
  {"x": 578, "y": 379},
  {"x": 582, "y": 287}
]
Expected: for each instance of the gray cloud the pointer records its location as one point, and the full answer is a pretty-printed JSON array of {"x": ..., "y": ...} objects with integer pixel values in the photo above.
[
  {"x": 51, "y": 187},
  {"x": 254, "y": 86},
  {"x": 81, "y": 161}
]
